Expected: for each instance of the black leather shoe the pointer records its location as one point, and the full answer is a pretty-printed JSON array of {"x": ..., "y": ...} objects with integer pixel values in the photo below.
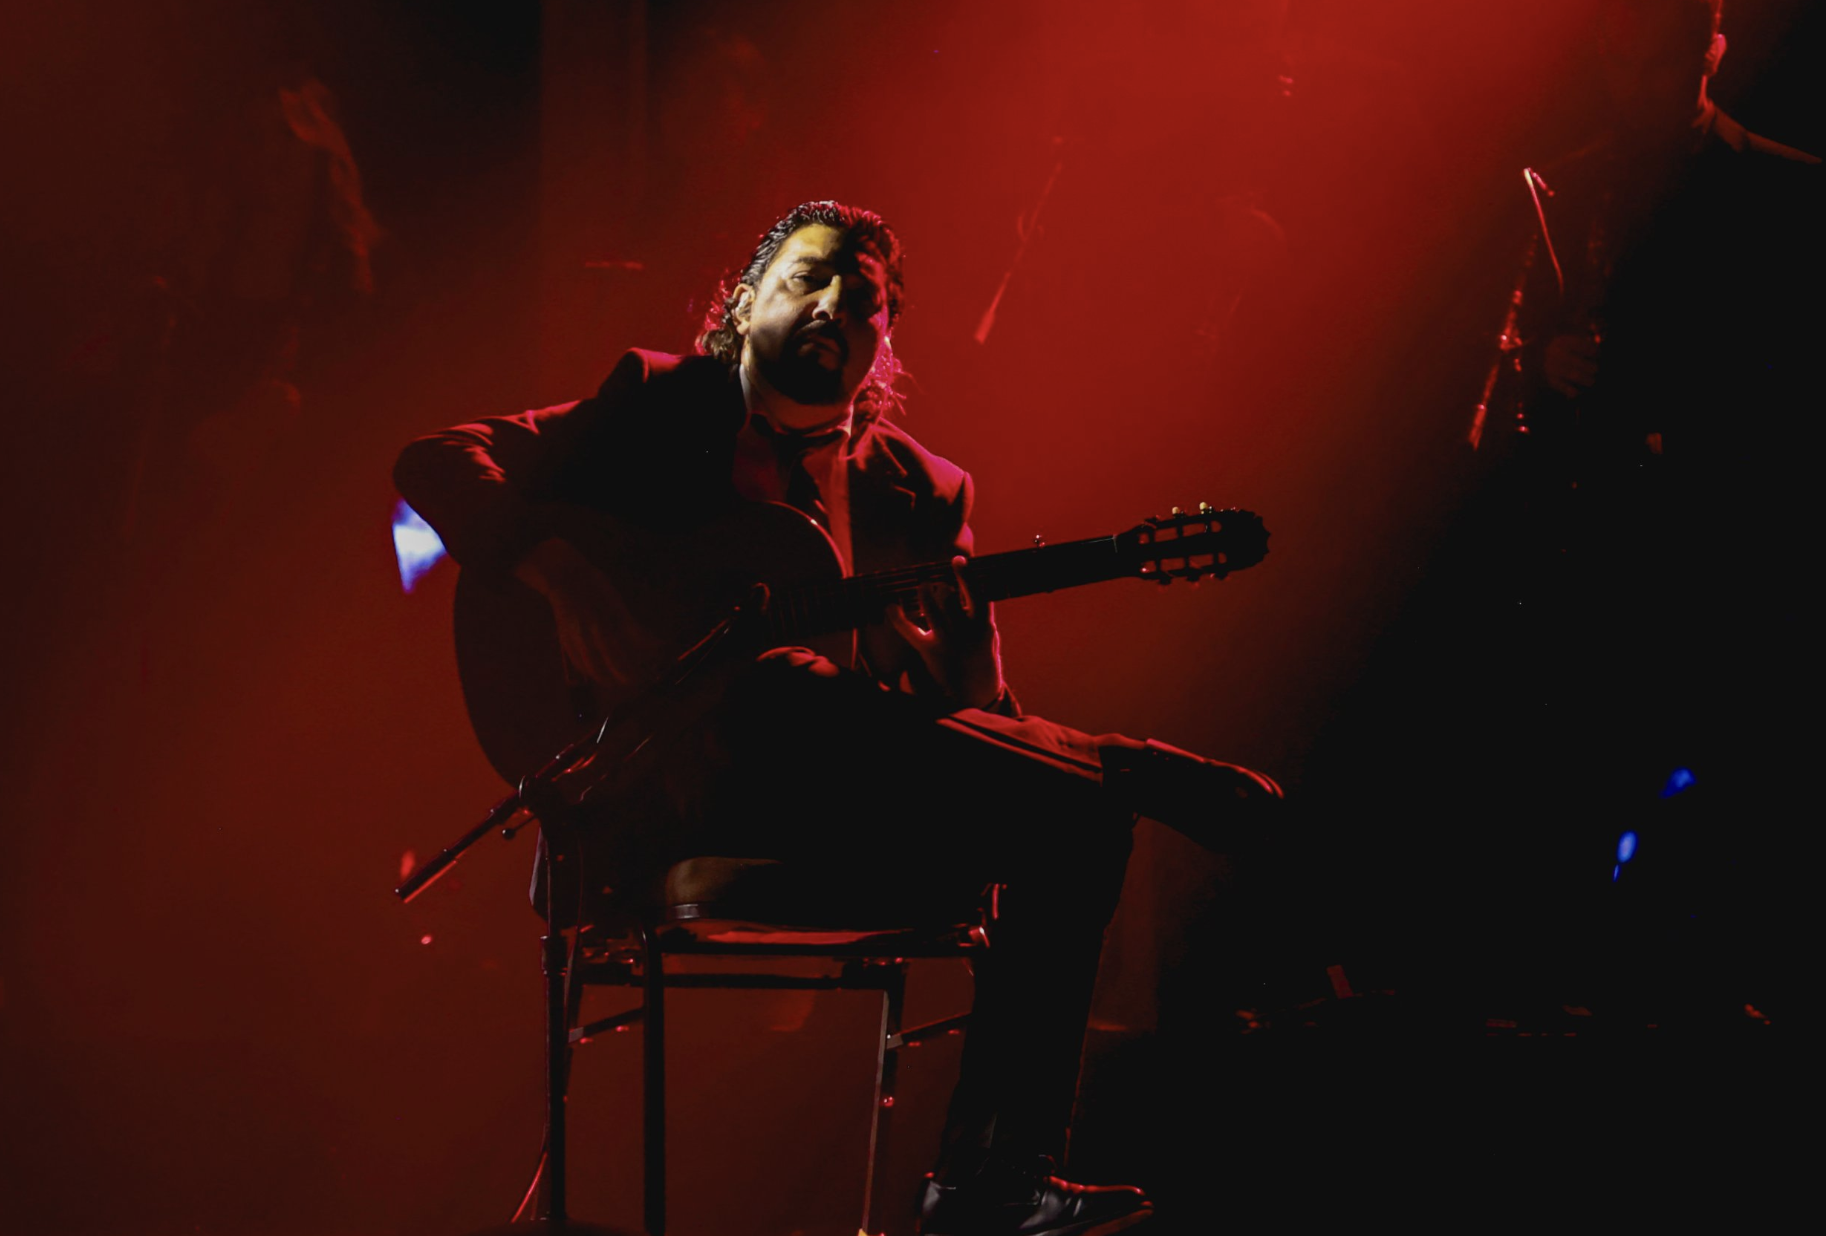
[
  {"x": 1223, "y": 807},
  {"x": 1028, "y": 1202}
]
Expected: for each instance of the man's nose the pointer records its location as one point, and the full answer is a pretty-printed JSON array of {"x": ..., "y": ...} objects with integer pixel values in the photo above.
[{"x": 830, "y": 301}]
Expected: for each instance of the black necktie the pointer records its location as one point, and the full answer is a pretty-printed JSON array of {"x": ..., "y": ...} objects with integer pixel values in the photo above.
[{"x": 792, "y": 450}]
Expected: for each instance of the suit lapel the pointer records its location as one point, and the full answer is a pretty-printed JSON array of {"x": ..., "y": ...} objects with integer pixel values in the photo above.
[{"x": 880, "y": 501}]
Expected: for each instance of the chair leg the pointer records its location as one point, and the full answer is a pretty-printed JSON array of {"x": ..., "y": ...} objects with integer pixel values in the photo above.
[
  {"x": 557, "y": 1061},
  {"x": 653, "y": 1098},
  {"x": 887, "y": 1067}
]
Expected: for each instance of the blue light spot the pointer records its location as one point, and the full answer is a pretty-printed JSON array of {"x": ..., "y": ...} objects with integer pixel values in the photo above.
[
  {"x": 1615, "y": 872},
  {"x": 1678, "y": 780},
  {"x": 415, "y": 545},
  {"x": 1626, "y": 847}
]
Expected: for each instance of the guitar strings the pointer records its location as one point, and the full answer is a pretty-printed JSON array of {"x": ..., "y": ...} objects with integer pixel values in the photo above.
[
  {"x": 828, "y": 605},
  {"x": 836, "y": 602}
]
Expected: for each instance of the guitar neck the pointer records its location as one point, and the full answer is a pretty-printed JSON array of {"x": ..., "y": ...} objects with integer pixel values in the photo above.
[{"x": 818, "y": 609}]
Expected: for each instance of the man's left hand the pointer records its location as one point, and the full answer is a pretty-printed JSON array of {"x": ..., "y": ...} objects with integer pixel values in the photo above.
[{"x": 959, "y": 643}]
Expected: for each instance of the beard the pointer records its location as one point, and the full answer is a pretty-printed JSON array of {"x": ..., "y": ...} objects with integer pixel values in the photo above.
[{"x": 799, "y": 372}]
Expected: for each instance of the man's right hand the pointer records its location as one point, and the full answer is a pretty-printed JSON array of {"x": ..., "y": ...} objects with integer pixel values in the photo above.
[
  {"x": 599, "y": 634},
  {"x": 1570, "y": 364}
]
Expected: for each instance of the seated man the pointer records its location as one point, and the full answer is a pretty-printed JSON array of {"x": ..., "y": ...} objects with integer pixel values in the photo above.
[{"x": 911, "y": 768}]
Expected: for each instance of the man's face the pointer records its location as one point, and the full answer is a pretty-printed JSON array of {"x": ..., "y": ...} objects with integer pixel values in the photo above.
[{"x": 816, "y": 320}]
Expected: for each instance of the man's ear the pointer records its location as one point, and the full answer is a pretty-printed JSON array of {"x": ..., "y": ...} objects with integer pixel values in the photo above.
[
  {"x": 743, "y": 306},
  {"x": 1715, "y": 53}
]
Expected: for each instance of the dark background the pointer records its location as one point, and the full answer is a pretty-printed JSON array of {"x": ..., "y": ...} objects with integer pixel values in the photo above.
[{"x": 1267, "y": 273}]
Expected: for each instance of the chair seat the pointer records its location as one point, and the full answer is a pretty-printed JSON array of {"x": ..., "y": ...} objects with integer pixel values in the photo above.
[{"x": 761, "y": 894}]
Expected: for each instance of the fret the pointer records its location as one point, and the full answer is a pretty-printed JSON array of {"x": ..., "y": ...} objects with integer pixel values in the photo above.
[{"x": 817, "y": 609}]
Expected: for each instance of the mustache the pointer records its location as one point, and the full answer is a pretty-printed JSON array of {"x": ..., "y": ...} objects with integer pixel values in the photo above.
[{"x": 825, "y": 332}]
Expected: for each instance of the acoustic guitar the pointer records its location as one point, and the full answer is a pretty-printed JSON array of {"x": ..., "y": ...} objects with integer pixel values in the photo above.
[{"x": 526, "y": 704}]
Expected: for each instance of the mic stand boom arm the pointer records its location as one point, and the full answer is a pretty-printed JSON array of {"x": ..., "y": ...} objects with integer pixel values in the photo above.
[{"x": 538, "y": 789}]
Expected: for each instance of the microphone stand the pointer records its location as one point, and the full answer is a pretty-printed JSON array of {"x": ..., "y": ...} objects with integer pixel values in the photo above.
[
  {"x": 539, "y": 788},
  {"x": 540, "y": 796}
]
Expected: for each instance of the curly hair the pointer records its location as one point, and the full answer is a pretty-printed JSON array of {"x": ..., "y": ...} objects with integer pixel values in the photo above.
[{"x": 862, "y": 229}]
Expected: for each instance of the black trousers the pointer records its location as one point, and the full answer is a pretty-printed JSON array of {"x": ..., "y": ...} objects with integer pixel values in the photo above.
[{"x": 810, "y": 763}]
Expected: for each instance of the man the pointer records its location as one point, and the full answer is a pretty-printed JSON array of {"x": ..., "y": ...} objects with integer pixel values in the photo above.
[
  {"x": 1654, "y": 522},
  {"x": 912, "y": 769},
  {"x": 1668, "y": 315},
  {"x": 1658, "y": 225}
]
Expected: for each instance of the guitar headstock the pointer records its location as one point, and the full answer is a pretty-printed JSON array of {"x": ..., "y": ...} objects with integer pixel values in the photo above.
[{"x": 1192, "y": 545}]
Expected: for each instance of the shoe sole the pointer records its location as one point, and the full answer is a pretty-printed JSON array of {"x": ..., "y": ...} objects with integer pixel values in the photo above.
[
  {"x": 1108, "y": 1228},
  {"x": 1120, "y": 1225}
]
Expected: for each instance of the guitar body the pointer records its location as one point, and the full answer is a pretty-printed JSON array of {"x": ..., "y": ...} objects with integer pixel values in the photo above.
[{"x": 524, "y": 702}]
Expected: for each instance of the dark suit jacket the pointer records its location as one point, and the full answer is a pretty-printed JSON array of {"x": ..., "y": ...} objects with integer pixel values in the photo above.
[
  {"x": 1701, "y": 273},
  {"x": 656, "y": 446}
]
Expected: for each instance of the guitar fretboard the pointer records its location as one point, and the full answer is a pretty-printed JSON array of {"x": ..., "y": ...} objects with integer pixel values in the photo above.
[{"x": 838, "y": 605}]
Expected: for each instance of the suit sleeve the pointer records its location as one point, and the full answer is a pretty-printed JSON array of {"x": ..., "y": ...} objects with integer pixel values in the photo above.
[
  {"x": 963, "y": 541},
  {"x": 480, "y": 484}
]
